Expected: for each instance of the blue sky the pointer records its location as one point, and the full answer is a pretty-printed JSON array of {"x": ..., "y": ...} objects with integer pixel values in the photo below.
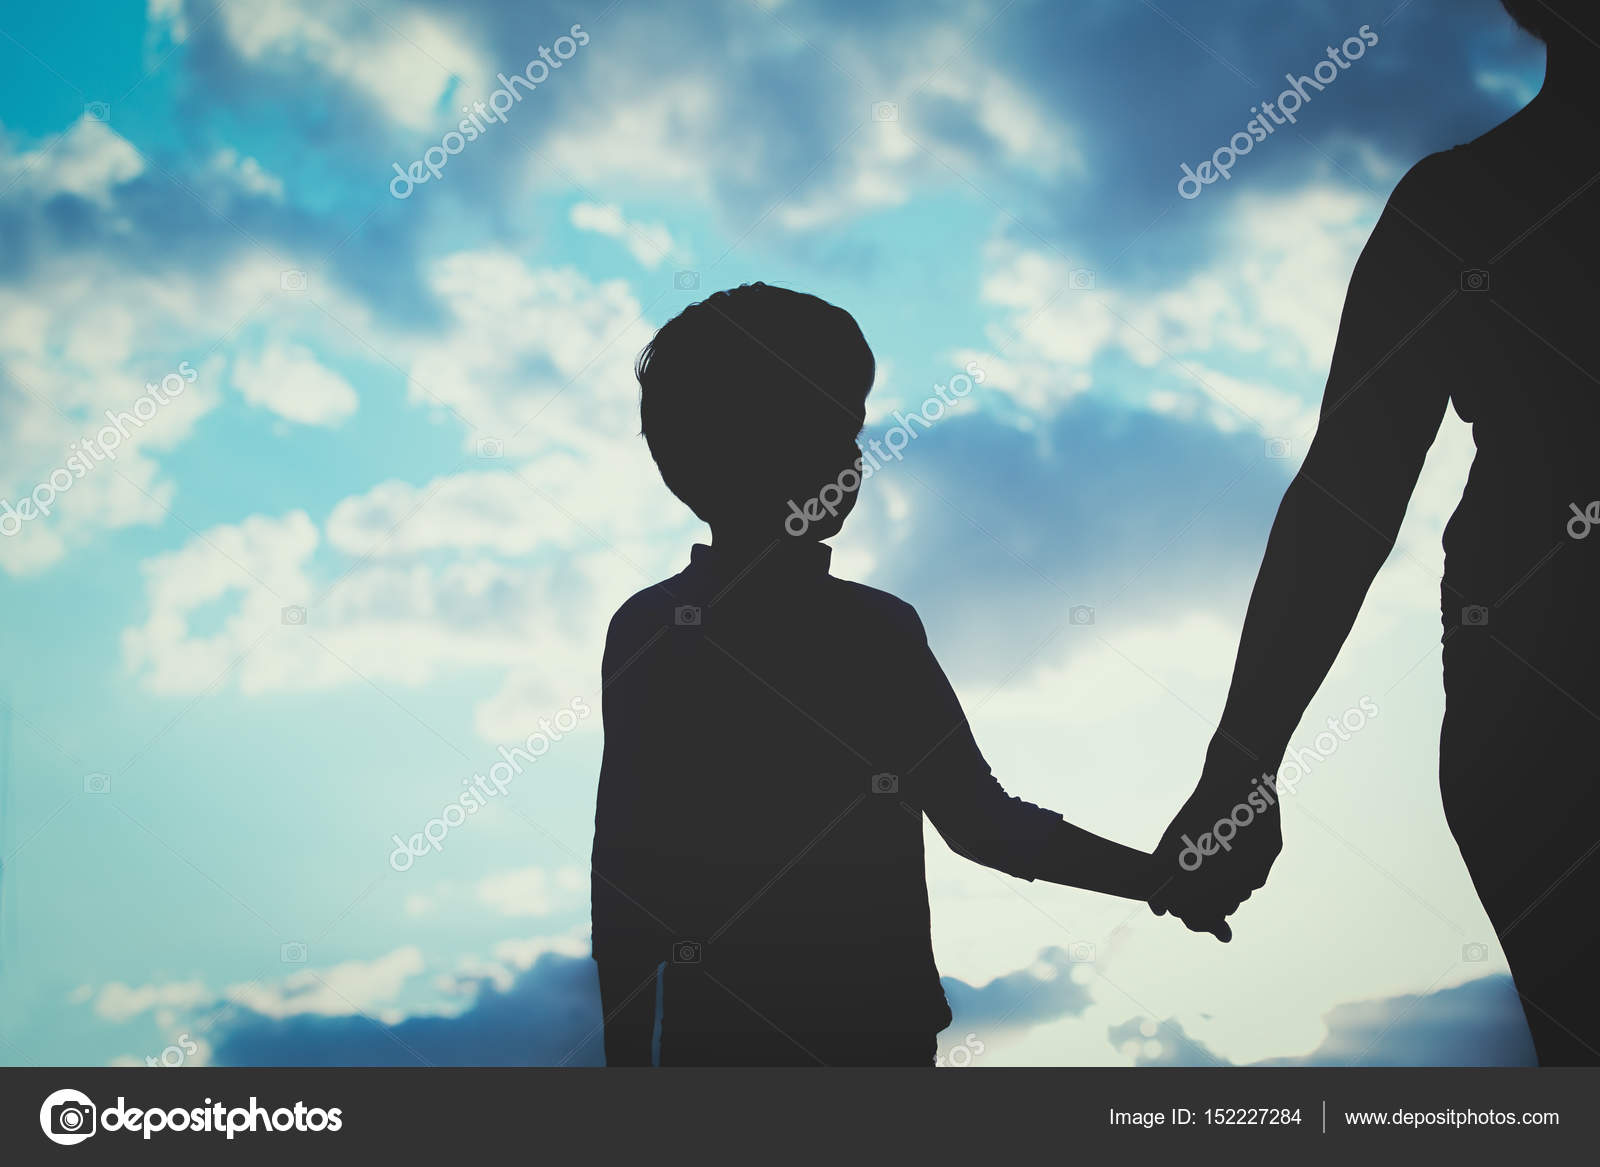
[{"x": 375, "y": 528}]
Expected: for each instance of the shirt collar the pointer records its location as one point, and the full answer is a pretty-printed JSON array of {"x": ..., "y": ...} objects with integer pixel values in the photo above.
[{"x": 787, "y": 560}]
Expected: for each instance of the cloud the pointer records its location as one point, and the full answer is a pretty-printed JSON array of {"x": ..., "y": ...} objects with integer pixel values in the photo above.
[
  {"x": 246, "y": 174},
  {"x": 1142, "y": 517},
  {"x": 88, "y": 161},
  {"x": 1270, "y": 296},
  {"x": 529, "y": 891},
  {"x": 1479, "y": 1023},
  {"x": 117, "y": 1002},
  {"x": 550, "y": 1015},
  {"x": 405, "y": 65},
  {"x": 349, "y": 988},
  {"x": 649, "y": 243},
  {"x": 519, "y": 339},
  {"x": 288, "y": 380},
  {"x": 119, "y": 274},
  {"x": 279, "y": 624},
  {"x": 537, "y": 1003},
  {"x": 559, "y": 501},
  {"x": 1046, "y": 991}
]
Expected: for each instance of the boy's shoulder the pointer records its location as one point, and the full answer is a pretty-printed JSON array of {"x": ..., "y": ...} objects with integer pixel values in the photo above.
[
  {"x": 649, "y": 608},
  {"x": 875, "y": 603},
  {"x": 665, "y": 603}
]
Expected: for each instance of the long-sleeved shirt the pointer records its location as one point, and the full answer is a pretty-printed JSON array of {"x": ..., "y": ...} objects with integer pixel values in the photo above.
[{"x": 773, "y": 737}]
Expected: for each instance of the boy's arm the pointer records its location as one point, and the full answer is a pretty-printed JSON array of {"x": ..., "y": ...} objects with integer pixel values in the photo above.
[
  {"x": 627, "y": 947},
  {"x": 629, "y": 1010},
  {"x": 980, "y": 821},
  {"x": 1080, "y": 858}
]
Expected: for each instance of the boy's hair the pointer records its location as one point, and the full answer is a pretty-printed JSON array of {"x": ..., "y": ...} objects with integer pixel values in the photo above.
[
  {"x": 746, "y": 390},
  {"x": 1551, "y": 19}
]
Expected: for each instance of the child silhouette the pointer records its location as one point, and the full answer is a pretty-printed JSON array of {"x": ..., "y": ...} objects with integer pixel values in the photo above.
[{"x": 774, "y": 735}]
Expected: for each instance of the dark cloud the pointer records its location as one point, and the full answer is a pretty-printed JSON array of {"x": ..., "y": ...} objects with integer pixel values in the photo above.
[
  {"x": 1141, "y": 87},
  {"x": 1140, "y": 516},
  {"x": 1177, "y": 1048},
  {"x": 1479, "y": 1023},
  {"x": 550, "y": 1015},
  {"x": 1018, "y": 1000}
]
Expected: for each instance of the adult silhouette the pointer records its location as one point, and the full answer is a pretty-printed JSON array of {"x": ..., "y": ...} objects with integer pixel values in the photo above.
[{"x": 1477, "y": 290}]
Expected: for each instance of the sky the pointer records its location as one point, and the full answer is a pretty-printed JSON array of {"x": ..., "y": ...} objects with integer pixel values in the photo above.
[{"x": 321, "y": 477}]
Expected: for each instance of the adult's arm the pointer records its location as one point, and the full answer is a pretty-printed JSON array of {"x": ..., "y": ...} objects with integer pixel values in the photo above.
[{"x": 1386, "y": 394}]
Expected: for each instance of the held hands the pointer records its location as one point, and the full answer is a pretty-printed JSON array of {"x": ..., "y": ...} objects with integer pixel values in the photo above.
[{"x": 1221, "y": 844}]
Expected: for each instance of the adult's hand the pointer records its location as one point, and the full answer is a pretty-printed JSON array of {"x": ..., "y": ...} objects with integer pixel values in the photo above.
[{"x": 1220, "y": 845}]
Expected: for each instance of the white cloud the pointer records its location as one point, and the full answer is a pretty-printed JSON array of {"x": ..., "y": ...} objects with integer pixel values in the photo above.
[
  {"x": 406, "y": 64},
  {"x": 76, "y": 344},
  {"x": 400, "y": 623},
  {"x": 697, "y": 133},
  {"x": 671, "y": 135},
  {"x": 558, "y": 501},
  {"x": 528, "y": 891},
  {"x": 648, "y": 243},
  {"x": 246, "y": 174},
  {"x": 288, "y": 380},
  {"x": 535, "y": 357},
  {"x": 1270, "y": 297},
  {"x": 510, "y": 957},
  {"x": 117, "y": 1002},
  {"x": 83, "y": 332},
  {"x": 89, "y": 160},
  {"x": 354, "y": 986}
]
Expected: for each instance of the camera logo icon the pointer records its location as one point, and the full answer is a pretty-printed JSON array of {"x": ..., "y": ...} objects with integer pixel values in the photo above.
[
  {"x": 1474, "y": 952},
  {"x": 491, "y": 448},
  {"x": 686, "y": 616},
  {"x": 1081, "y": 952},
  {"x": 885, "y": 111},
  {"x": 294, "y": 614},
  {"x": 885, "y": 784},
  {"x": 67, "y": 1117},
  {"x": 686, "y": 281},
  {"x": 292, "y": 952},
  {"x": 97, "y": 111},
  {"x": 1474, "y": 616},
  {"x": 1474, "y": 279},
  {"x": 1081, "y": 279},
  {"x": 1278, "y": 448},
  {"x": 97, "y": 783},
  {"x": 686, "y": 952},
  {"x": 1080, "y": 614},
  {"x": 293, "y": 280}
]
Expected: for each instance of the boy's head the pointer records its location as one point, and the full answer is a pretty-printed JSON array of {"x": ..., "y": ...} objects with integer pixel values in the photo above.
[
  {"x": 1556, "y": 21},
  {"x": 752, "y": 399}
]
